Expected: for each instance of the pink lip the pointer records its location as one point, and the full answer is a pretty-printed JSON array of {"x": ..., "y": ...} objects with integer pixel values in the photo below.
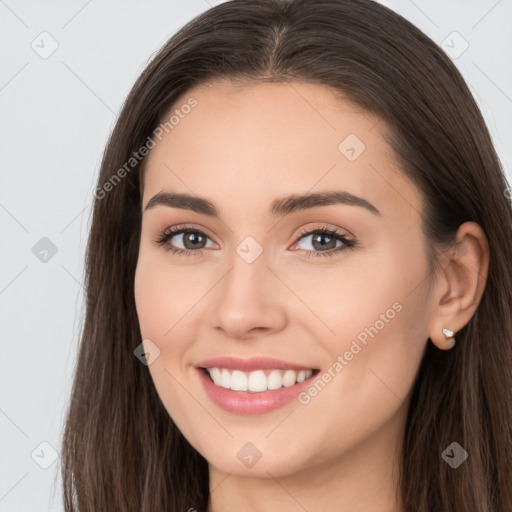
[
  {"x": 248, "y": 365},
  {"x": 247, "y": 402}
]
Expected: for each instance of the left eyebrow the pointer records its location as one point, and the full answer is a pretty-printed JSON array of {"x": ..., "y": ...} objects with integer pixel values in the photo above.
[
  {"x": 296, "y": 202},
  {"x": 279, "y": 207}
]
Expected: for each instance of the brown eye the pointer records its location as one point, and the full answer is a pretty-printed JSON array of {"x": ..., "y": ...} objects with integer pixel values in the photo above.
[
  {"x": 325, "y": 242},
  {"x": 185, "y": 240},
  {"x": 193, "y": 240}
]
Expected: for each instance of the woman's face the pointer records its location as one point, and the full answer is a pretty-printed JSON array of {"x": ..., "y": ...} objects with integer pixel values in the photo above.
[{"x": 256, "y": 279}]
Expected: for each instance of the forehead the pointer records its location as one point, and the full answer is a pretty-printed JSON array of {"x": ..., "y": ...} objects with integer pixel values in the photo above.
[{"x": 244, "y": 145}]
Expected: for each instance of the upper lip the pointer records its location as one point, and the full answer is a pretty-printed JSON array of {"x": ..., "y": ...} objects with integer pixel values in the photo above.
[{"x": 254, "y": 363}]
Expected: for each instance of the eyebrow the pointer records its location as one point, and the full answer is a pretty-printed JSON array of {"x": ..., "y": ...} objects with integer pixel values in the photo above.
[{"x": 279, "y": 207}]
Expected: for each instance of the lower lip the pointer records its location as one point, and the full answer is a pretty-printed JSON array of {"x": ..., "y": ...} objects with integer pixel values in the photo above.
[{"x": 246, "y": 402}]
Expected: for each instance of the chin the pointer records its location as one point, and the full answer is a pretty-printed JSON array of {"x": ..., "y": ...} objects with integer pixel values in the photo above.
[{"x": 256, "y": 460}]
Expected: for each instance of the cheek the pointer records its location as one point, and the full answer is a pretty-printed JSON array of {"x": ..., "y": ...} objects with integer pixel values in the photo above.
[
  {"x": 166, "y": 302},
  {"x": 159, "y": 298},
  {"x": 148, "y": 301},
  {"x": 352, "y": 296},
  {"x": 378, "y": 328},
  {"x": 159, "y": 312}
]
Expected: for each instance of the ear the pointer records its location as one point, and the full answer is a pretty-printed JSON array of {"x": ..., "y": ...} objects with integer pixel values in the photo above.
[{"x": 460, "y": 284}]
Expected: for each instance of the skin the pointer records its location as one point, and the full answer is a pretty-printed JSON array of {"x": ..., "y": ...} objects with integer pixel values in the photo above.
[{"x": 243, "y": 147}]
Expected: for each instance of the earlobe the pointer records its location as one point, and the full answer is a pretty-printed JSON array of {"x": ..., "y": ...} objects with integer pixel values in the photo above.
[
  {"x": 450, "y": 337},
  {"x": 445, "y": 340},
  {"x": 464, "y": 278}
]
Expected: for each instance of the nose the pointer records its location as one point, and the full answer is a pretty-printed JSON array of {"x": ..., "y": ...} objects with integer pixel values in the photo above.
[{"x": 249, "y": 301}]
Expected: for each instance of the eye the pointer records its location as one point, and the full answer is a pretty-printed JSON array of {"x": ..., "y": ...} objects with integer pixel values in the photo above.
[
  {"x": 192, "y": 240},
  {"x": 327, "y": 240}
]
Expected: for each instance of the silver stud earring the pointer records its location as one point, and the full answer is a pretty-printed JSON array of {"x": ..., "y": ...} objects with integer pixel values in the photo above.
[{"x": 449, "y": 336}]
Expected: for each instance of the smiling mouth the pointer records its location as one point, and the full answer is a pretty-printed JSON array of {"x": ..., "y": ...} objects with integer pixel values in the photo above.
[{"x": 259, "y": 380}]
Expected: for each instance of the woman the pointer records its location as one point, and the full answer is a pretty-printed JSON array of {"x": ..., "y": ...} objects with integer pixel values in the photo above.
[{"x": 298, "y": 279}]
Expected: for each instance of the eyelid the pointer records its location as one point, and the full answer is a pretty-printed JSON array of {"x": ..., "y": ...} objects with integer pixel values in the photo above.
[
  {"x": 319, "y": 226},
  {"x": 180, "y": 228}
]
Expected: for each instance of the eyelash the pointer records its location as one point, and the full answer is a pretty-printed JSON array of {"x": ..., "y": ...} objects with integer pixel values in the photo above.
[{"x": 170, "y": 232}]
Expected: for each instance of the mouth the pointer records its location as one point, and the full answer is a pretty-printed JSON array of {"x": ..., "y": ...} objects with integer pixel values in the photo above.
[
  {"x": 257, "y": 381},
  {"x": 253, "y": 386}
]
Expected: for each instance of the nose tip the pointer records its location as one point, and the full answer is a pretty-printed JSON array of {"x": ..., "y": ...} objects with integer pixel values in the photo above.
[{"x": 246, "y": 304}]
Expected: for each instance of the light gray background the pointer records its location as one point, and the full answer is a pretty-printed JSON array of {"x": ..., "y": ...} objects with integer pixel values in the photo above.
[{"x": 57, "y": 113}]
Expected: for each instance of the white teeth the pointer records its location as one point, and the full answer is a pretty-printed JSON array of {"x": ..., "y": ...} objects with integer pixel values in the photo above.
[
  {"x": 274, "y": 380},
  {"x": 225, "y": 379},
  {"x": 290, "y": 378},
  {"x": 257, "y": 381},
  {"x": 216, "y": 376},
  {"x": 238, "y": 381}
]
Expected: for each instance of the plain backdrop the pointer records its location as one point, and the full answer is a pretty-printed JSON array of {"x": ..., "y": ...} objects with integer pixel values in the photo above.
[{"x": 66, "y": 68}]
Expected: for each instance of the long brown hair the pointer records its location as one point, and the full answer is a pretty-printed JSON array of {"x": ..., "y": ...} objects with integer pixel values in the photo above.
[{"x": 121, "y": 450}]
